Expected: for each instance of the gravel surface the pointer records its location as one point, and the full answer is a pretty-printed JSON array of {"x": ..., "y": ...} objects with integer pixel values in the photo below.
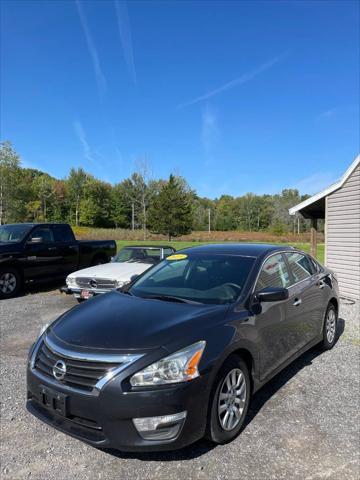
[{"x": 303, "y": 425}]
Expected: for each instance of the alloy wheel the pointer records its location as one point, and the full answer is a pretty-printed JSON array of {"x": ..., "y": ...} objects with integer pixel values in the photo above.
[
  {"x": 330, "y": 325},
  {"x": 7, "y": 283},
  {"x": 232, "y": 398}
]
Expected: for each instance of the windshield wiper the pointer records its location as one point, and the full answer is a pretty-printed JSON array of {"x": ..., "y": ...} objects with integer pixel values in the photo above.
[{"x": 170, "y": 298}]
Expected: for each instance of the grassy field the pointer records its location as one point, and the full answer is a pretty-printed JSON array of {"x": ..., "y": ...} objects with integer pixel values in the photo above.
[
  {"x": 128, "y": 237},
  {"x": 180, "y": 245}
]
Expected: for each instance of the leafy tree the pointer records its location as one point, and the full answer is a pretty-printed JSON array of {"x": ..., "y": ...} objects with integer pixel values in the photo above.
[
  {"x": 120, "y": 213},
  {"x": 75, "y": 186},
  {"x": 171, "y": 211},
  {"x": 44, "y": 188},
  {"x": 95, "y": 204},
  {"x": 9, "y": 182}
]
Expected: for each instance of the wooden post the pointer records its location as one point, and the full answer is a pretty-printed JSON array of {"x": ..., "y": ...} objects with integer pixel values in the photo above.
[{"x": 313, "y": 237}]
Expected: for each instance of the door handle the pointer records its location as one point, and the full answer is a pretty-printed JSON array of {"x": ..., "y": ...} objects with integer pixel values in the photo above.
[
  {"x": 297, "y": 302},
  {"x": 51, "y": 248}
]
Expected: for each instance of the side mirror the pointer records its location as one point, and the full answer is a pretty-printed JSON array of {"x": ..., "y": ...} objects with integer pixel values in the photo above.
[
  {"x": 36, "y": 240},
  {"x": 133, "y": 278},
  {"x": 272, "y": 294}
]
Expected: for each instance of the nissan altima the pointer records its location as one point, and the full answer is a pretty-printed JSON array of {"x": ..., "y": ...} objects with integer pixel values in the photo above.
[{"x": 177, "y": 354}]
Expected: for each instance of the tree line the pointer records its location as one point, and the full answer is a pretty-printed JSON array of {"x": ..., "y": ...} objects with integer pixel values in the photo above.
[{"x": 169, "y": 206}]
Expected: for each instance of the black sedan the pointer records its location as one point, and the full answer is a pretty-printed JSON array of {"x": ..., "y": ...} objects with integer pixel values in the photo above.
[{"x": 177, "y": 355}]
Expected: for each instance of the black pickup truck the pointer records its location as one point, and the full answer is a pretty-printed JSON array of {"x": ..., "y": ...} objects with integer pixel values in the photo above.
[{"x": 31, "y": 252}]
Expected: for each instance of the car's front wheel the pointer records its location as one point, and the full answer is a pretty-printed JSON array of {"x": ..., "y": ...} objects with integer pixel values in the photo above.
[{"x": 229, "y": 401}]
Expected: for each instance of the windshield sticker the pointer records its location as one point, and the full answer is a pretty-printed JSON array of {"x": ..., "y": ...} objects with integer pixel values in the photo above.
[{"x": 177, "y": 256}]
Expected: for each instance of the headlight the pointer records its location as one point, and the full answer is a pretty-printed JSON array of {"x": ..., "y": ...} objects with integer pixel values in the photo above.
[
  {"x": 180, "y": 366},
  {"x": 70, "y": 281}
]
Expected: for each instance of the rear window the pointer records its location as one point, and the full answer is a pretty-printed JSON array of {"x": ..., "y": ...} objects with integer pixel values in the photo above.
[{"x": 62, "y": 233}]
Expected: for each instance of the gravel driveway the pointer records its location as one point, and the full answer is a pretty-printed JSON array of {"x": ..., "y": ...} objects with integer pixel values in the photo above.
[{"x": 303, "y": 425}]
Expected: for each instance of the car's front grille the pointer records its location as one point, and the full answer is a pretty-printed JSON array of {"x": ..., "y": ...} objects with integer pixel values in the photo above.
[
  {"x": 95, "y": 283},
  {"x": 80, "y": 374}
]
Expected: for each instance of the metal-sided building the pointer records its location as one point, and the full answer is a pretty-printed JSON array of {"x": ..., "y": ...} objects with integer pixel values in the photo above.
[{"x": 339, "y": 205}]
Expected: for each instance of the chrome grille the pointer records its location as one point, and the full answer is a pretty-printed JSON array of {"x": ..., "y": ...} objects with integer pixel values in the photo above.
[
  {"x": 95, "y": 283},
  {"x": 80, "y": 374}
]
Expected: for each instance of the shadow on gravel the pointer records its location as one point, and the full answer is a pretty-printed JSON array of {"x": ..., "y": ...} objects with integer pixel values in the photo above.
[{"x": 258, "y": 401}]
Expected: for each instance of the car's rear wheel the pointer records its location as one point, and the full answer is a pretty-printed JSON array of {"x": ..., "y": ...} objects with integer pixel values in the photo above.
[
  {"x": 10, "y": 282},
  {"x": 229, "y": 401},
  {"x": 330, "y": 327}
]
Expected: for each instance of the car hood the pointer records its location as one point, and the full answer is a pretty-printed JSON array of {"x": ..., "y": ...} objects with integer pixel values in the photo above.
[
  {"x": 113, "y": 271},
  {"x": 117, "y": 321}
]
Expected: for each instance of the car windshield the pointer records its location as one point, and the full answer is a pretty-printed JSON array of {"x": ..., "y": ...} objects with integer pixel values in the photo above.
[
  {"x": 210, "y": 279},
  {"x": 13, "y": 233},
  {"x": 138, "y": 255}
]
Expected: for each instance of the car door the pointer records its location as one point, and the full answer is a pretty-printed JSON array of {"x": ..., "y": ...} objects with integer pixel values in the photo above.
[
  {"x": 274, "y": 324},
  {"x": 41, "y": 254},
  {"x": 67, "y": 249},
  {"x": 309, "y": 297}
]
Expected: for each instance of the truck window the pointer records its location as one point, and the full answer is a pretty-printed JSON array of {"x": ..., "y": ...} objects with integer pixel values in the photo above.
[
  {"x": 63, "y": 233},
  {"x": 45, "y": 233}
]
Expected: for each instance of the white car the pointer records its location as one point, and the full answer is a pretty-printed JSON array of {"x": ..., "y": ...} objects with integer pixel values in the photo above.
[{"x": 128, "y": 263}]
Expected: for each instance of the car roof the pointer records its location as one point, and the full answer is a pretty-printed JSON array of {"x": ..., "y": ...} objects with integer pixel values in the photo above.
[
  {"x": 241, "y": 249},
  {"x": 148, "y": 246},
  {"x": 32, "y": 224}
]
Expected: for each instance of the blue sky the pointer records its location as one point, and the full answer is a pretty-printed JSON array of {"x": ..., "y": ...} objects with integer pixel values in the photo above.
[{"x": 235, "y": 96}]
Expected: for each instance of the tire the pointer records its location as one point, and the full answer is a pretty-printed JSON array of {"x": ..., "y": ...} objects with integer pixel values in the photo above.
[
  {"x": 10, "y": 282},
  {"x": 219, "y": 429},
  {"x": 329, "y": 328}
]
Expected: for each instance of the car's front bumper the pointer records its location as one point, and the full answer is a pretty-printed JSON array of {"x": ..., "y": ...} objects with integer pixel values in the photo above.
[
  {"x": 77, "y": 291},
  {"x": 105, "y": 419}
]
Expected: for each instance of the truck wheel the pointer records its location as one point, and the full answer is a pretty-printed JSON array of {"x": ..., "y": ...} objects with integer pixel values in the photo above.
[{"x": 10, "y": 282}]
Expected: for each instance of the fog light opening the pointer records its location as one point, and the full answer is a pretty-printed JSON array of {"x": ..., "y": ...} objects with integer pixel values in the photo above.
[{"x": 164, "y": 427}]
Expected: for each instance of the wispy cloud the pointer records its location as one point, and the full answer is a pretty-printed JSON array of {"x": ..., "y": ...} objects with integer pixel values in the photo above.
[
  {"x": 87, "y": 151},
  {"x": 209, "y": 129},
  {"x": 100, "y": 77},
  {"x": 246, "y": 77},
  {"x": 125, "y": 36},
  {"x": 327, "y": 114},
  {"x": 316, "y": 182}
]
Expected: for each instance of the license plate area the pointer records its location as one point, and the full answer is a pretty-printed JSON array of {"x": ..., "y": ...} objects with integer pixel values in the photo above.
[
  {"x": 55, "y": 401},
  {"x": 86, "y": 294}
]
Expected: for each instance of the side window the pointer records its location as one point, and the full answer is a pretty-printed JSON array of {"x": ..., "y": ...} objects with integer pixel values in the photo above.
[
  {"x": 315, "y": 265},
  {"x": 274, "y": 273},
  {"x": 45, "y": 233},
  {"x": 62, "y": 233},
  {"x": 168, "y": 251},
  {"x": 300, "y": 266}
]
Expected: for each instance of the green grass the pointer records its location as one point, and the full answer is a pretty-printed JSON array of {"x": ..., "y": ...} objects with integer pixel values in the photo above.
[{"x": 179, "y": 245}]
